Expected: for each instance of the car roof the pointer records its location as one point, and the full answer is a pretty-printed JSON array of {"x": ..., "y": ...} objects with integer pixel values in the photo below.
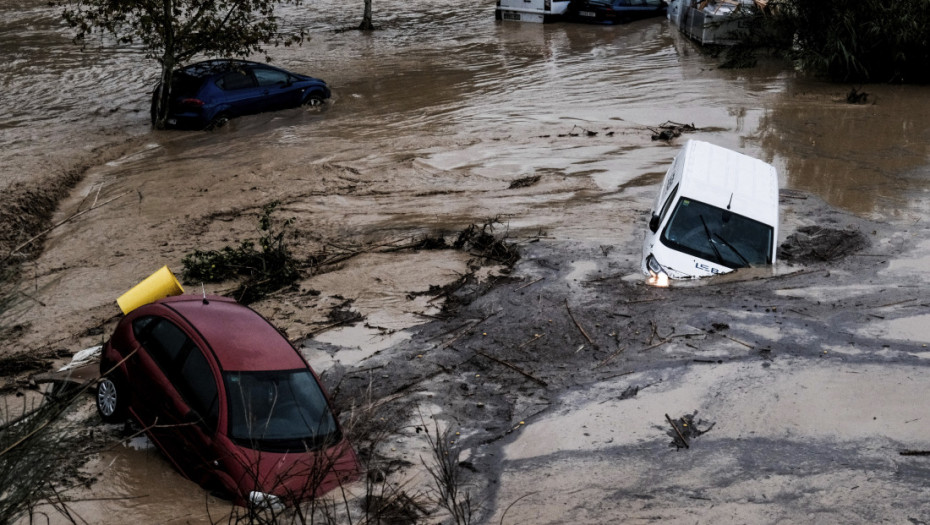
[
  {"x": 241, "y": 339},
  {"x": 722, "y": 177},
  {"x": 210, "y": 67}
]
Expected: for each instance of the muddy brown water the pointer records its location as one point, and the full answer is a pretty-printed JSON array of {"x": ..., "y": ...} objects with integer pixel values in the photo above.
[{"x": 432, "y": 117}]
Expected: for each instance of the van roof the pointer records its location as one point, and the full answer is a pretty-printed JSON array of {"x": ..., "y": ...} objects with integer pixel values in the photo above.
[{"x": 722, "y": 177}]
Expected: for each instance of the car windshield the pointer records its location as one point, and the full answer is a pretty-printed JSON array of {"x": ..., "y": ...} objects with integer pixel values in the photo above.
[
  {"x": 718, "y": 235},
  {"x": 280, "y": 410}
]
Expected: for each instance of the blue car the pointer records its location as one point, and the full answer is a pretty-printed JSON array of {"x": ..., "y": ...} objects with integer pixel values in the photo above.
[
  {"x": 207, "y": 94},
  {"x": 613, "y": 11}
]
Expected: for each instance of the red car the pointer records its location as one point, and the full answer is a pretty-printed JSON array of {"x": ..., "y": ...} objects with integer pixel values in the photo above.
[{"x": 226, "y": 398}]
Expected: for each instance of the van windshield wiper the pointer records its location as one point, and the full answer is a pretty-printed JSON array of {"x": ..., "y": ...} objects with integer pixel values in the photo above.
[
  {"x": 710, "y": 240},
  {"x": 733, "y": 249}
]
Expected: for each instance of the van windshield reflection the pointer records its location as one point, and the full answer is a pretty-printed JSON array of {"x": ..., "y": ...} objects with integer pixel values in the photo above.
[{"x": 718, "y": 235}]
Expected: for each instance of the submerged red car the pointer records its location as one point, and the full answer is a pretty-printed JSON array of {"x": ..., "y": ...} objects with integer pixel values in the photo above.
[{"x": 226, "y": 397}]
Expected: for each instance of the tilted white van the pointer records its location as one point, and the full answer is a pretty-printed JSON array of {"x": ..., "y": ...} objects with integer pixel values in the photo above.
[{"x": 717, "y": 210}]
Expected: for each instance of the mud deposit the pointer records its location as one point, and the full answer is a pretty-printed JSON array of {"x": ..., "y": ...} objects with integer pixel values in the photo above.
[{"x": 554, "y": 376}]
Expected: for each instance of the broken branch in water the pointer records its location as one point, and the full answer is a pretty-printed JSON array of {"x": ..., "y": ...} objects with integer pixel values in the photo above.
[
  {"x": 680, "y": 435},
  {"x": 512, "y": 367},
  {"x": 585, "y": 334},
  {"x": 610, "y": 358},
  {"x": 62, "y": 223}
]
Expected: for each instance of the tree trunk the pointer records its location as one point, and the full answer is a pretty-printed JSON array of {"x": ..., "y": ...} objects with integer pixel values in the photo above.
[
  {"x": 366, "y": 24},
  {"x": 162, "y": 94}
]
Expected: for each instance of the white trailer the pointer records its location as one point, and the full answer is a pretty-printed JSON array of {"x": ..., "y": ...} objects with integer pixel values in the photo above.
[{"x": 538, "y": 11}]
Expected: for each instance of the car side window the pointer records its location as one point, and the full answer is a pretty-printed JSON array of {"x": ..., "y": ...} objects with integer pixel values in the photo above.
[
  {"x": 269, "y": 77},
  {"x": 198, "y": 387},
  {"x": 235, "y": 79},
  {"x": 164, "y": 342},
  {"x": 668, "y": 203},
  {"x": 140, "y": 327}
]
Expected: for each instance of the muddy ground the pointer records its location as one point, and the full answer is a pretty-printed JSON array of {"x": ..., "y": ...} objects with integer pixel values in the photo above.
[
  {"x": 565, "y": 381},
  {"x": 560, "y": 377}
]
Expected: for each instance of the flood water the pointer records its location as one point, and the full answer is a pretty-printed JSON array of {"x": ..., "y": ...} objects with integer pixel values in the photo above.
[
  {"x": 432, "y": 117},
  {"x": 485, "y": 91}
]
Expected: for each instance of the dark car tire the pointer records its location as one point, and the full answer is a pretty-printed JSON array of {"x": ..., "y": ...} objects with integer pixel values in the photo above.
[
  {"x": 218, "y": 122},
  {"x": 111, "y": 399},
  {"x": 313, "y": 100}
]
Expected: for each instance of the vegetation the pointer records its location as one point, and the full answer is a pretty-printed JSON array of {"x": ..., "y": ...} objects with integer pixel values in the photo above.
[
  {"x": 38, "y": 446},
  {"x": 263, "y": 270},
  {"x": 845, "y": 40},
  {"x": 174, "y": 31}
]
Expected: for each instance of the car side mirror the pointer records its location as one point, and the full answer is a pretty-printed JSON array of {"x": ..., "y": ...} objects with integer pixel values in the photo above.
[{"x": 654, "y": 223}]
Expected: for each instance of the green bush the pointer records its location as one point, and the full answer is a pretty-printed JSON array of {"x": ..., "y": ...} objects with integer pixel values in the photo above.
[
  {"x": 263, "y": 270},
  {"x": 855, "y": 40}
]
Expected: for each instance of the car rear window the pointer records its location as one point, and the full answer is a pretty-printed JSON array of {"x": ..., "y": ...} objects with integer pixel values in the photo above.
[{"x": 185, "y": 85}]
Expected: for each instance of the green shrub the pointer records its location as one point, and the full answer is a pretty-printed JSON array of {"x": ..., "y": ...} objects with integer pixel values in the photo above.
[
  {"x": 263, "y": 270},
  {"x": 851, "y": 40}
]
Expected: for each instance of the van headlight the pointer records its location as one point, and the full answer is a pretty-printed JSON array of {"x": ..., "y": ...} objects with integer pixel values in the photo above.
[
  {"x": 262, "y": 500},
  {"x": 657, "y": 274}
]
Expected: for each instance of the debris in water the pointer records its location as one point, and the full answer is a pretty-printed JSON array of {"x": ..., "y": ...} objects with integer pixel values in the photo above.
[
  {"x": 671, "y": 130},
  {"x": 524, "y": 182},
  {"x": 629, "y": 392},
  {"x": 856, "y": 97},
  {"x": 573, "y": 133},
  {"x": 816, "y": 244},
  {"x": 685, "y": 429}
]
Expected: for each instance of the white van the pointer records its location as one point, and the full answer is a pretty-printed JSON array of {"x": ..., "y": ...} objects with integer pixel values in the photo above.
[
  {"x": 530, "y": 10},
  {"x": 717, "y": 210}
]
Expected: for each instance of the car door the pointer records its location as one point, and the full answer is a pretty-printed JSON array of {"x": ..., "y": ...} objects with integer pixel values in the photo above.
[
  {"x": 178, "y": 394},
  {"x": 239, "y": 92},
  {"x": 160, "y": 344},
  {"x": 196, "y": 385},
  {"x": 278, "y": 88}
]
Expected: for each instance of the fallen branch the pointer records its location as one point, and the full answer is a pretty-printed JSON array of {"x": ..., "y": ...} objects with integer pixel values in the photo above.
[
  {"x": 585, "y": 334},
  {"x": 62, "y": 223},
  {"x": 512, "y": 367},
  {"x": 466, "y": 330},
  {"x": 680, "y": 435},
  {"x": 610, "y": 358},
  {"x": 528, "y": 284}
]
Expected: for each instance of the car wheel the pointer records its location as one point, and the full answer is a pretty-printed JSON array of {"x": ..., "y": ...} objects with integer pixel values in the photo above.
[
  {"x": 313, "y": 100},
  {"x": 218, "y": 121},
  {"x": 111, "y": 400}
]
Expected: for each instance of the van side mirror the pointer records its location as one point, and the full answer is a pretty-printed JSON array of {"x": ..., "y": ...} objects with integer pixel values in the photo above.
[{"x": 654, "y": 223}]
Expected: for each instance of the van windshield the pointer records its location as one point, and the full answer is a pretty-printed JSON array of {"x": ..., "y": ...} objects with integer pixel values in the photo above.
[
  {"x": 282, "y": 410},
  {"x": 718, "y": 235}
]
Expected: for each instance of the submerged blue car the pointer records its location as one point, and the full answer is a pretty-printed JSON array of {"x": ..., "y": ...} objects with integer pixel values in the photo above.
[
  {"x": 207, "y": 94},
  {"x": 613, "y": 11}
]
